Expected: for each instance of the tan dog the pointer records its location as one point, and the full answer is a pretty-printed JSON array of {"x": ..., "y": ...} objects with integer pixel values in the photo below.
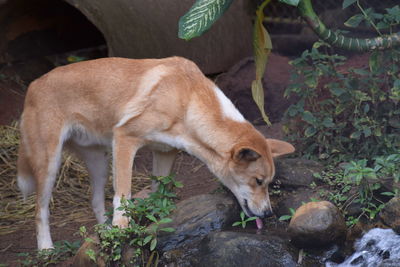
[{"x": 125, "y": 104}]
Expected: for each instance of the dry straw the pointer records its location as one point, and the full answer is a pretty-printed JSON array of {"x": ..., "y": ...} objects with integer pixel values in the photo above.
[{"x": 71, "y": 194}]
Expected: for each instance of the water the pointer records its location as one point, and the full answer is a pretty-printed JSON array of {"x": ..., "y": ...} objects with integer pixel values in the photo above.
[{"x": 374, "y": 247}]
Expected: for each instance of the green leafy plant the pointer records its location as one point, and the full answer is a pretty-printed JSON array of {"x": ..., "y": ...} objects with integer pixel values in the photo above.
[
  {"x": 146, "y": 219},
  {"x": 357, "y": 182},
  {"x": 343, "y": 115},
  {"x": 243, "y": 220},
  {"x": 62, "y": 251},
  {"x": 288, "y": 217}
]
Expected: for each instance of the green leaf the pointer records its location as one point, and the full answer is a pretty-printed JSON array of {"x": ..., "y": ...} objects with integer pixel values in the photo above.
[
  {"x": 373, "y": 62},
  {"x": 308, "y": 117},
  {"x": 285, "y": 217},
  {"x": 147, "y": 239},
  {"x": 310, "y": 131},
  {"x": 354, "y": 21},
  {"x": 151, "y": 218},
  {"x": 347, "y": 3},
  {"x": 327, "y": 122},
  {"x": 236, "y": 223},
  {"x": 262, "y": 46},
  {"x": 165, "y": 220},
  {"x": 168, "y": 229},
  {"x": 153, "y": 244},
  {"x": 201, "y": 16},
  {"x": 290, "y": 2}
]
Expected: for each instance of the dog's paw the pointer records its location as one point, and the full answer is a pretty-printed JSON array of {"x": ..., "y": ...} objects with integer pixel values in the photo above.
[{"x": 120, "y": 221}]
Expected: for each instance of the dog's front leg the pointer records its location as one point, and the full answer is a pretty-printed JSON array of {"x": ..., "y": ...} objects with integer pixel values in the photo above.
[{"x": 124, "y": 150}]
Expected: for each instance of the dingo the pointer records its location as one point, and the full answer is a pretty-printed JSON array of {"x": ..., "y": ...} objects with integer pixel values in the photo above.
[{"x": 125, "y": 104}]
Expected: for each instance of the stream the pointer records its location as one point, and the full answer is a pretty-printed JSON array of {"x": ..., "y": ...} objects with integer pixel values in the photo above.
[{"x": 374, "y": 247}]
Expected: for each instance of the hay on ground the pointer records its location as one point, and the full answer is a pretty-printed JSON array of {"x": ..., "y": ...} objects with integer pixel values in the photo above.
[{"x": 71, "y": 194}]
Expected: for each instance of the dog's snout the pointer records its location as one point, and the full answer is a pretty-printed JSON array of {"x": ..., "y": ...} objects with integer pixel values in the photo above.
[{"x": 268, "y": 213}]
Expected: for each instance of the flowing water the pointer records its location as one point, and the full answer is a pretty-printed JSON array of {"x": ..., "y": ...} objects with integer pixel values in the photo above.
[{"x": 374, "y": 247}]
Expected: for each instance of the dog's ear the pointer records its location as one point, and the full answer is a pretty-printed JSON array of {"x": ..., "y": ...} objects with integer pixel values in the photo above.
[
  {"x": 279, "y": 148},
  {"x": 245, "y": 154}
]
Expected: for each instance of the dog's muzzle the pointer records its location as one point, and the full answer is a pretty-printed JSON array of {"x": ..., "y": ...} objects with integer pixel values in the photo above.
[{"x": 266, "y": 214}]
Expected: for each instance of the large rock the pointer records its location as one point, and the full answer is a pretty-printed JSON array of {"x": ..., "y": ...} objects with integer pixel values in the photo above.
[
  {"x": 243, "y": 249},
  {"x": 317, "y": 224},
  {"x": 390, "y": 214},
  {"x": 296, "y": 172},
  {"x": 196, "y": 217},
  {"x": 236, "y": 84},
  {"x": 149, "y": 29}
]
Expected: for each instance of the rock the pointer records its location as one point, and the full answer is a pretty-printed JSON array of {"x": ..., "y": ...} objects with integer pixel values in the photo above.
[
  {"x": 296, "y": 172},
  {"x": 136, "y": 30},
  {"x": 236, "y": 84},
  {"x": 196, "y": 217},
  {"x": 244, "y": 249},
  {"x": 317, "y": 224},
  {"x": 294, "y": 200},
  {"x": 390, "y": 214},
  {"x": 81, "y": 259}
]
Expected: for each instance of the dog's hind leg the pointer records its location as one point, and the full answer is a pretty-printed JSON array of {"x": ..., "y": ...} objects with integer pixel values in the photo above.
[
  {"x": 45, "y": 148},
  {"x": 96, "y": 161}
]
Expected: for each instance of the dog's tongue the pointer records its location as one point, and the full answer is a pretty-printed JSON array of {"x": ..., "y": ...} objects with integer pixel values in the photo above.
[{"x": 259, "y": 223}]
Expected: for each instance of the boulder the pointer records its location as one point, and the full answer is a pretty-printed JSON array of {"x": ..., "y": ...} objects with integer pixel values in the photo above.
[
  {"x": 137, "y": 29},
  {"x": 296, "y": 172},
  {"x": 317, "y": 224},
  {"x": 390, "y": 214},
  {"x": 196, "y": 217},
  {"x": 244, "y": 249},
  {"x": 236, "y": 84}
]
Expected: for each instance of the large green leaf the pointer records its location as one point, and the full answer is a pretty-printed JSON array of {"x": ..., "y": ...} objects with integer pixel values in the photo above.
[
  {"x": 262, "y": 47},
  {"x": 201, "y": 16},
  {"x": 347, "y": 3}
]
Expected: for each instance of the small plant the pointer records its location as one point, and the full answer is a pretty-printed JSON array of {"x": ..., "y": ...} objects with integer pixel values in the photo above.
[
  {"x": 146, "y": 217},
  {"x": 62, "y": 251},
  {"x": 288, "y": 217},
  {"x": 359, "y": 183},
  {"x": 243, "y": 220}
]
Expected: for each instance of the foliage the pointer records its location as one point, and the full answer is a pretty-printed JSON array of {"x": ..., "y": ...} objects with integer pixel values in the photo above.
[
  {"x": 243, "y": 220},
  {"x": 288, "y": 217},
  {"x": 146, "y": 217},
  {"x": 62, "y": 251},
  {"x": 201, "y": 17},
  {"x": 356, "y": 182},
  {"x": 341, "y": 115}
]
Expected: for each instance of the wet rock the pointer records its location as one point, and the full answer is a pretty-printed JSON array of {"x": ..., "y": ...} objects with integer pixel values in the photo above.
[
  {"x": 236, "y": 84},
  {"x": 317, "y": 224},
  {"x": 244, "y": 249},
  {"x": 294, "y": 200},
  {"x": 296, "y": 172},
  {"x": 196, "y": 217},
  {"x": 390, "y": 214}
]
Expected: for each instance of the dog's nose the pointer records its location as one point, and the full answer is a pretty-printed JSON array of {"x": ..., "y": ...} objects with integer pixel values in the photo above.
[{"x": 268, "y": 213}]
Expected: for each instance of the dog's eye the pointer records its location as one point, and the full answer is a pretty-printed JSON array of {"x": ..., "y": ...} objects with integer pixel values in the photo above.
[{"x": 259, "y": 181}]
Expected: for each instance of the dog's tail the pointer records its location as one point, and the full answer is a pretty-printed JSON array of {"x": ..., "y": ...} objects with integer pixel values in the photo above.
[{"x": 25, "y": 178}]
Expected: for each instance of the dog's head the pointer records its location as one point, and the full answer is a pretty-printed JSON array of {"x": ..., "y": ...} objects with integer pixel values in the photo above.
[{"x": 251, "y": 170}]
